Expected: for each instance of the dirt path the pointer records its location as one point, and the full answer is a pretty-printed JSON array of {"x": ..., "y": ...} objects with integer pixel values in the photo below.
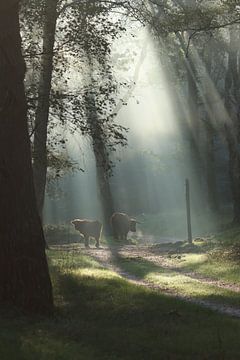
[
  {"x": 157, "y": 258},
  {"x": 106, "y": 255},
  {"x": 108, "y": 258}
]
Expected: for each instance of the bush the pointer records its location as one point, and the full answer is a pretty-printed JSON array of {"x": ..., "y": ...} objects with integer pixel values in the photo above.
[{"x": 61, "y": 233}]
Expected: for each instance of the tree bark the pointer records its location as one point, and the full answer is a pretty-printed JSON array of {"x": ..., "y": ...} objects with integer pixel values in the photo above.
[
  {"x": 193, "y": 115},
  {"x": 103, "y": 183},
  {"x": 24, "y": 276},
  {"x": 210, "y": 169},
  {"x": 42, "y": 111},
  {"x": 211, "y": 179},
  {"x": 103, "y": 166}
]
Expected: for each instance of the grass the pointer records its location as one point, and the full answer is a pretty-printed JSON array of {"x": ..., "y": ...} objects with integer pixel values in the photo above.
[
  {"x": 226, "y": 270},
  {"x": 216, "y": 258},
  {"x": 178, "y": 282},
  {"x": 101, "y": 316}
]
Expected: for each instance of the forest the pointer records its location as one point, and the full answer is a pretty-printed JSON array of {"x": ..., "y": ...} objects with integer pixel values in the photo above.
[{"x": 120, "y": 166}]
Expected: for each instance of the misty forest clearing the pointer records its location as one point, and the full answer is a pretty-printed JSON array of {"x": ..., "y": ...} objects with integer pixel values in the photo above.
[{"x": 119, "y": 179}]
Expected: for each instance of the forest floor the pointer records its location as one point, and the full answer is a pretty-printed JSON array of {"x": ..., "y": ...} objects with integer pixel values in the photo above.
[
  {"x": 184, "y": 272},
  {"x": 131, "y": 303}
]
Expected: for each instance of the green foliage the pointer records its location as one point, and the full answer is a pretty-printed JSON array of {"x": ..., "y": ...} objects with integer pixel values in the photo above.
[
  {"x": 59, "y": 164},
  {"x": 84, "y": 35}
]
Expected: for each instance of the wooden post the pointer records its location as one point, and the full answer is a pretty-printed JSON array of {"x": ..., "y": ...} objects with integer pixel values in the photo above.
[{"x": 189, "y": 225}]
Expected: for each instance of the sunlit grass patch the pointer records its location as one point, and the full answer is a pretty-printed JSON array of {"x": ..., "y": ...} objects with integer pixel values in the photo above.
[
  {"x": 219, "y": 269},
  {"x": 189, "y": 261},
  {"x": 179, "y": 283},
  {"x": 193, "y": 260},
  {"x": 193, "y": 288},
  {"x": 216, "y": 257},
  {"x": 95, "y": 273},
  {"x": 101, "y": 316},
  {"x": 68, "y": 260},
  {"x": 208, "y": 262}
]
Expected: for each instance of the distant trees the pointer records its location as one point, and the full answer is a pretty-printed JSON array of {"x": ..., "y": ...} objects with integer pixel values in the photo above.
[
  {"x": 212, "y": 78},
  {"x": 24, "y": 277},
  {"x": 85, "y": 30},
  {"x": 75, "y": 29}
]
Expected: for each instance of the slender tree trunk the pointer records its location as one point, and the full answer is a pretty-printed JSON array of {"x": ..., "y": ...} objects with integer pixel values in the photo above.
[
  {"x": 193, "y": 118},
  {"x": 210, "y": 169},
  {"x": 42, "y": 112},
  {"x": 103, "y": 166},
  {"x": 211, "y": 179},
  {"x": 24, "y": 277}
]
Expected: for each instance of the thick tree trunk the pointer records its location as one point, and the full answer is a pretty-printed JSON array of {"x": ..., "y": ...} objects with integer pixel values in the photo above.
[
  {"x": 24, "y": 277},
  {"x": 42, "y": 112}
]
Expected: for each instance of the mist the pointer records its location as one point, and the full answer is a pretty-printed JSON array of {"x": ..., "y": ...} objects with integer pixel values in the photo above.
[{"x": 149, "y": 174}]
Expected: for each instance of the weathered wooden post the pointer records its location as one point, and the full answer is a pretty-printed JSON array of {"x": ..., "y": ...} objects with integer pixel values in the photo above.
[{"x": 188, "y": 206}]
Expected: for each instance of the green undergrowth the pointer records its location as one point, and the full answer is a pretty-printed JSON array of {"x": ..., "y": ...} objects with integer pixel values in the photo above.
[
  {"x": 61, "y": 234},
  {"x": 101, "y": 316}
]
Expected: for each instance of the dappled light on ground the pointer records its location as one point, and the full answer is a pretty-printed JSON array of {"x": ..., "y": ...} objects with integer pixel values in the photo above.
[{"x": 100, "y": 315}]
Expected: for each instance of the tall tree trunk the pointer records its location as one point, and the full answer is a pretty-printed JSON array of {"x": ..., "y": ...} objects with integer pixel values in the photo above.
[
  {"x": 24, "y": 277},
  {"x": 231, "y": 129},
  {"x": 103, "y": 166},
  {"x": 42, "y": 112},
  {"x": 193, "y": 112},
  {"x": 210, "y": 168},
  {"x": 194, "y": 120},
  {"x": 211, "y": 179}
]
